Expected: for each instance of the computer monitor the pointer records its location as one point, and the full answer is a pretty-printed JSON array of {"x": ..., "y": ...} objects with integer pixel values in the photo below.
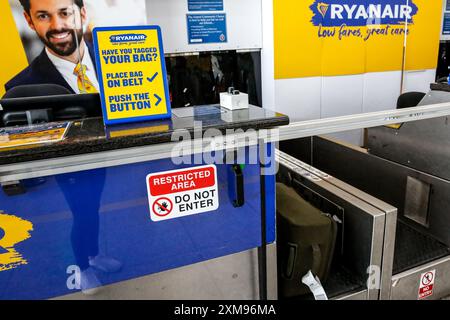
[{"x": 26, "y": 110}]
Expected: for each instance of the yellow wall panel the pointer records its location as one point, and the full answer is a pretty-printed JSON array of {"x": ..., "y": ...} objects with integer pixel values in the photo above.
[
  {"x": 422, "y": 47},
  {"x": 12, "y": 55},
  {"x": 297, "y": 51},
  {"x": 307, "y": 49}
]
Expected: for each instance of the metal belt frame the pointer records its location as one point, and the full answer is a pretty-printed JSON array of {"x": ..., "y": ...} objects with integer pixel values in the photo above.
[{"x": 361, "y": 121}]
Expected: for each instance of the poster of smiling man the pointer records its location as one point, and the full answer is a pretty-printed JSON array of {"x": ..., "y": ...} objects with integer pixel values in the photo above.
[{"x": 57, "y": 39}]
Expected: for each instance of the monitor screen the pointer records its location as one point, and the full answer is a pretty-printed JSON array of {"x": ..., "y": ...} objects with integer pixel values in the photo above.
[{"x": 29, "y": 110}]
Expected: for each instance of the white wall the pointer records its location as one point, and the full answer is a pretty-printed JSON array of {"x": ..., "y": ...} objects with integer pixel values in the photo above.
[
  {"x": 268, "y": 56},
  {"x": 322, "y": 97},
  {"x": 419, "y": 80}
]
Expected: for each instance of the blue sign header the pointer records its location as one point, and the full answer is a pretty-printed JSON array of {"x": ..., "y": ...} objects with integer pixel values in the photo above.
[
  {"x": 446, "y": 24},
  {"x": 205, "y": 5}
]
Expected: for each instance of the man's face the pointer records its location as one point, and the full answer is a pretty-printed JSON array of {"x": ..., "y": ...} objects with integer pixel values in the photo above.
[{"x": 57, "y": 23}]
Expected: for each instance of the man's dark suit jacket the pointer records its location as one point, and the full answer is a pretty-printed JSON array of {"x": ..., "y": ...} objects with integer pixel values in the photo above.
[{"x": 42, "y": 71}]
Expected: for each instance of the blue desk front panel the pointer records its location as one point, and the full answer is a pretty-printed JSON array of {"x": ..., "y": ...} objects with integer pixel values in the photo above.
[{"x": 106, "y": 211}]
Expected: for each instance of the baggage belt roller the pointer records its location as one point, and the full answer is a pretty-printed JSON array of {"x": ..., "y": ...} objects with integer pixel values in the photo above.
[
  {"x": 363, "y": 227},
  {"x": 422, "y": 239},
  {"x": 389, "y": 210}
]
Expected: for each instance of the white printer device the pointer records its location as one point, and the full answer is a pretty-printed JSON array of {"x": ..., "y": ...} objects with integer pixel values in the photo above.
[{"x": 234, "y": 99}]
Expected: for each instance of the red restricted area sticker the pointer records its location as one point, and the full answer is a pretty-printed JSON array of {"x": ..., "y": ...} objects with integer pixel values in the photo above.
[
  {"x": 426, "y": 284},
  {"x": 179, "y": 193}
]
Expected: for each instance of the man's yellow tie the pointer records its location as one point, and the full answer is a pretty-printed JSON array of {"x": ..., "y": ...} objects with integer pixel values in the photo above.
[{"x": 84, "y": 84}]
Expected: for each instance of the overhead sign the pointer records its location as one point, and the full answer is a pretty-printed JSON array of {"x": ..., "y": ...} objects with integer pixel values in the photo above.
[
  {"x": 205, "y": 5},
  {"x": 337, "y": 37},
  {"x": 426, "y": 284},
  {"x": 207, "y": 28},
  {"x": 179, "y": 193},
  {"x": 132, "y": 74},
  {"x": 13, "y": 230},
  {"x": 446, "y": 24}
]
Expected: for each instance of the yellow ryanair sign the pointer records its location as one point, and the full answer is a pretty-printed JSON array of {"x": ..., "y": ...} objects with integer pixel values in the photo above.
[
  {"x": 132, "y": 74},
  {"x": 344, "y": 37},
  {"x": 13, "y": 230}
]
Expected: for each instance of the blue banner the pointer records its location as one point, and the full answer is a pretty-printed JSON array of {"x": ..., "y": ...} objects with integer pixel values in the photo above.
[
  {"x": 358, "y": 13},
  {"x": 90, "y": 213},
  {"x": 205, "y": 5},
  {"x": 446, "y": 27},
  {"x": 207, "y": 28}
]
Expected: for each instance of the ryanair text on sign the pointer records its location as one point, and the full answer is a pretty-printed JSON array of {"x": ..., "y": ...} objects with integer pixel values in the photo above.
[
  {"x": 338, "y": 18},
  {"x": 128, "y": 38}
]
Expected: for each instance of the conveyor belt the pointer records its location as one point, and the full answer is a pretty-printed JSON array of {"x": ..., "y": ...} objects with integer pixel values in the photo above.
[
  {"x": 413, "y": 248},
  {"x": 340, "y": 281}
]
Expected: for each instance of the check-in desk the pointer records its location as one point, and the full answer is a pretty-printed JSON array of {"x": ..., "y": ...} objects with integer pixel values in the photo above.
[{"x": 87, "y": 195}]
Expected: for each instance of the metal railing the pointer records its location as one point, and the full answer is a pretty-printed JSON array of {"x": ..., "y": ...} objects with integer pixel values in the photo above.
[
  {"x": 361, "y": 121},
  {"x": 295, "y": 130}
]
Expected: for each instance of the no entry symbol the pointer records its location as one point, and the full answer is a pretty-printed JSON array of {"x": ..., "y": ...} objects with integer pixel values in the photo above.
[
  {"x": 162, "y": 207},
  {"x": 428, "y": 279}
]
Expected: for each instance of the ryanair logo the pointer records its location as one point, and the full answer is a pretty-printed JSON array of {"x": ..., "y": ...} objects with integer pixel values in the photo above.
[
  {"x": 13, "y": 230},
  {"x": 359, "y": 13},
  {"x": 124, "y": 38},
  {"x": 323, "y": 8}
]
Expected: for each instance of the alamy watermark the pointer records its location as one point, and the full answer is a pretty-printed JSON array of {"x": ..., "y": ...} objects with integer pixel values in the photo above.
[
  {"x": 74, "y": 279},
  {"x": 374, "y": 279},
  {"x": 231, "y": 146}
]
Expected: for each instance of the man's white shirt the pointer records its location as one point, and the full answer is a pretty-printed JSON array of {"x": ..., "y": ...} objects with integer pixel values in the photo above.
[{"x": 66, "y": 68}]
